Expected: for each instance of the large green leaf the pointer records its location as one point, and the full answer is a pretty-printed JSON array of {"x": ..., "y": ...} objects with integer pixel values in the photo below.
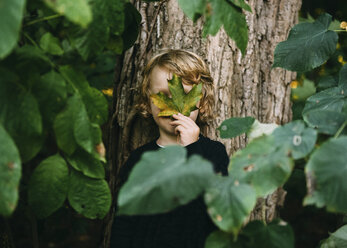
[
  {"x": 10, "y": 173},
  {"x": 326, "y": 121},
  {"x": 327, "y": 171},
  {"x": 180, "y": 102},
  {"x": 273, "y": 235},
  {"x": 300, "y": 139},
  {"x": 51, "y": 93},
  {"x": 88, "y": 196},
  {"x": 20, "y": 115},
  {"x": 229, "y": 203},
  {"x": 337, "y": 239},
  {"x": 262, "y": 164},
  {"x": 11, "y": 13},
  {"x": 108, "y": 19},
  {"x": 193, "y": 9},
  {"x": 221, "y": 12},
  {"x": 324, "y": 110},
  {"x": 163, "y": 180},
  {"x": 77, "y": 11},
  {"x": 94, "y": 101},
  {"x": 87, "y": 164},
  {"x": 72, "y": 127},
  {"x": 64, "y": 126},
  {"x": 308, "y": 46},
  {"x": 48, "y": 186},
  {"x": 235, "y": 126}
]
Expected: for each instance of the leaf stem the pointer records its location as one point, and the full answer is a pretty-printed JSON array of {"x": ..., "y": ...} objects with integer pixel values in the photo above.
[
  {"x": 46, "y": 18},
  {"x": 340, "y": 30},
  {"x": 340, "y": 129},
  {"x": 30, "y": 39}
]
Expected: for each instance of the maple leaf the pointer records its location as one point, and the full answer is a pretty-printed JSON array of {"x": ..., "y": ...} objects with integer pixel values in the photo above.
[{"x": 180, "y": 101}]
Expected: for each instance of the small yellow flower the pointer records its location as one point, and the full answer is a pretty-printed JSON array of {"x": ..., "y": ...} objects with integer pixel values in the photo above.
[
  {"x": 294, "y": 84},
  {"x": 340, "y": 59},
  {"x": 108, "y": 92},
  {"x": 295, "y": 97},
  {"x": 343, "y": 25},
  {"x": 338, "y": 46}
]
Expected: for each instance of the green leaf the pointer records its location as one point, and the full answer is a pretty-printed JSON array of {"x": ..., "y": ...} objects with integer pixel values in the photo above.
[
  {"x": 193, "y": 9},
  {"x": 302, "y": 92},
  {"x": 325, "y": 121},
  {"x": 51, "y": 44},
  {"x": 94, "y": 101},
  {"x": 229, "y": 203},
  {"x": 262, "y": 164},
  {"x": 308, "y": 46},
  {"x": 20, "y": 115},
  {"x": 64, "y": 126},
  {"x": 235, "y": 126},
  {"x": 327, "y": 169},
  {"x": 337, "y": 239},
  {"x": 219, "y": 239},
  {"x": 241, "y": 4},
  {"x": 10, "y": 173},
  {"x": 274, "y": 235},
  {"x": 48, "y": 186},
  {"x": 220, "y": 12},
  {"x": 343, "y": 78},
  {"x": 82, "y": 129},
  {"x": 300, "y": 139},
  {"x": 324, "y": 110},
  {"x": 87, "y": 164},
  {"x": 11, "y": 13},
  {"x": 163, "y": 180},
  {"x": 180, "y": 101},
  {"x": 329, "y": 99},
  {"x": 77, "y": 11},
  {"x": 108, "y": 18},
  {"x": 51, "y": 93},
  {"x": 89, "y": 197}
]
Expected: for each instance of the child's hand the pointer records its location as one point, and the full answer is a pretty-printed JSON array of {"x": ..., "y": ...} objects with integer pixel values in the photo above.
[{"x": 187, "y": 130}]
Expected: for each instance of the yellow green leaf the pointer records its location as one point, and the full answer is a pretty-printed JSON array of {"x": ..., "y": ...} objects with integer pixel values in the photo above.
[{"x": 180, "y": 102}]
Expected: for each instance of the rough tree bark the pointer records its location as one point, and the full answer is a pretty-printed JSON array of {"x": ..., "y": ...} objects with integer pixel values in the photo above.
[{"x": 244, "y": 86}]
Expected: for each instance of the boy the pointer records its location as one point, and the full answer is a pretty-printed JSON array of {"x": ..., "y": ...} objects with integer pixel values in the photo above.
[{"x": 188, "y": 225}]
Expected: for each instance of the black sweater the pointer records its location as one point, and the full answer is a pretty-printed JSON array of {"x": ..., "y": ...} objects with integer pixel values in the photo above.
[{"x": 186, "y": 226}]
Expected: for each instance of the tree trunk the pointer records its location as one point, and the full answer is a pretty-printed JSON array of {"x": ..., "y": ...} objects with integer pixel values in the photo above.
[{"x": 244, "y": 86}]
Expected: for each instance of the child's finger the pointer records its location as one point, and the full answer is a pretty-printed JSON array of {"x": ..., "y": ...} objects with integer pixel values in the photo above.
[
  {"x": 180, "y": 122},
  {"x": 189, "y": 122},
  {"x": 179, "y": 129}
]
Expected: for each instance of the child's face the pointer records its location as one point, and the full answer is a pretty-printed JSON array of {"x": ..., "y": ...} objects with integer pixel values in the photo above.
[{"x": 158, "y": 82}]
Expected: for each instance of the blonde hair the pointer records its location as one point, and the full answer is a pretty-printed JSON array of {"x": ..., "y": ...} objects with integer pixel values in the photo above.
[{"x": 191, "y": 68}]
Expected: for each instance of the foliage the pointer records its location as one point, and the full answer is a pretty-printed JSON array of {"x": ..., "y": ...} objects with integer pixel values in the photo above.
[
  {"x": 218, "y": 13},
  {"x": 336, "y": 239},
  {"x": 50, "y": 114},
  {"x": 313, "y": 43},
  {"x": 179, "y": 101}
]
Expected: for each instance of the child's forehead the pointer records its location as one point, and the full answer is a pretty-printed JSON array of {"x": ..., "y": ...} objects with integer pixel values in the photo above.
[{"x": 158, "y": 77}]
